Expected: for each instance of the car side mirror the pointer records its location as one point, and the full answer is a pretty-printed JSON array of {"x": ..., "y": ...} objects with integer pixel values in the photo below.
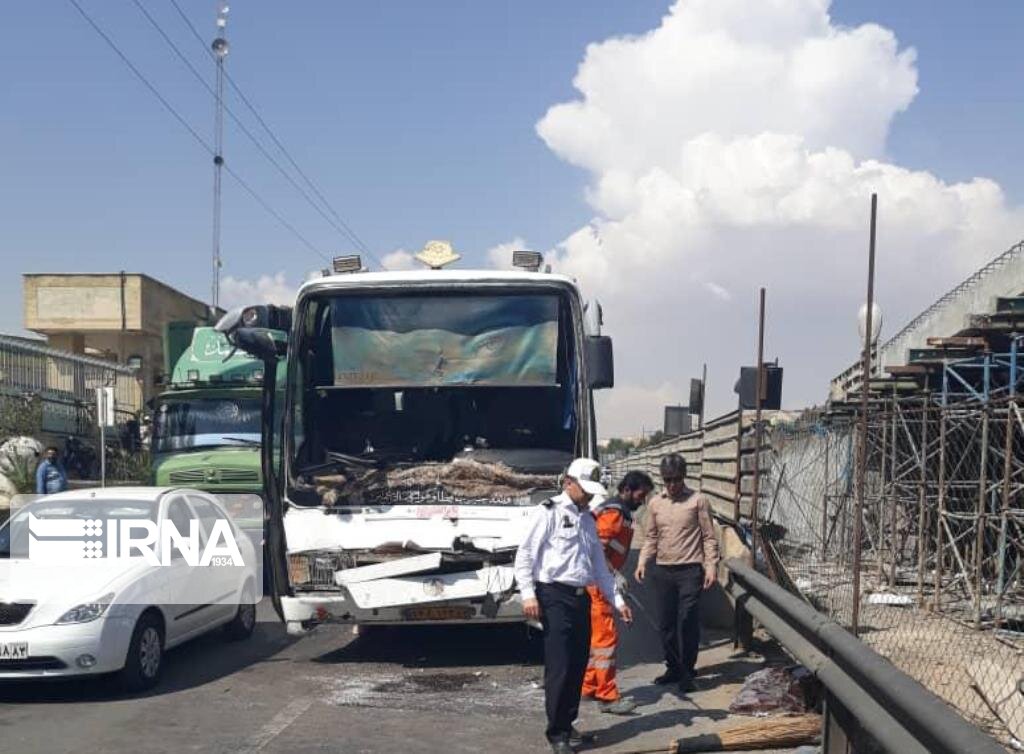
[
  {"x": 600, "y": 362},
  {"x": 264, "y": 344}
]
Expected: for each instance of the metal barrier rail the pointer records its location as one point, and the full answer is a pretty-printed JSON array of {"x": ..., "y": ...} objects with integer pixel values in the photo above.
[{"x": 896, "y": 711}]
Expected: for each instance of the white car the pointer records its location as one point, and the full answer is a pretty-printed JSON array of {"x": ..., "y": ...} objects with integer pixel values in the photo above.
[{"x": 119, "y": 614}]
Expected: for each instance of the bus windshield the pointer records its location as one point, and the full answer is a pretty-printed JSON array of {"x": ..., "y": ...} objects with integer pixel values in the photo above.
[{"x": 429, "y": 377}]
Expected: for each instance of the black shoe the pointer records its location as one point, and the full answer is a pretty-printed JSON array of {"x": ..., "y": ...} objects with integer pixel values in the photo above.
[
  {"x": 561, "y": 747},
  {"x": 669, "y": 676},
  {"x": 687, "y": 684},
  {"x": 577, "y": 739}
]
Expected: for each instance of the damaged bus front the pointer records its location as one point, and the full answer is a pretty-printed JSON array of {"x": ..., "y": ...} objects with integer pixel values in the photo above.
[{"x": 426, "y": 414}]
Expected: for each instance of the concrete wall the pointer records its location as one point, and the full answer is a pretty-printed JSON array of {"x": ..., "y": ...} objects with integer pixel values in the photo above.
[
  {"x": 162, "y": 304},
  {"x": 108, "y": 315},
  {"x": 82, "y": 303}
]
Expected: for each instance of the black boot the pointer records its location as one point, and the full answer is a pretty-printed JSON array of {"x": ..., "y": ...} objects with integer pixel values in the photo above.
[{"x": 669, "y": 676}]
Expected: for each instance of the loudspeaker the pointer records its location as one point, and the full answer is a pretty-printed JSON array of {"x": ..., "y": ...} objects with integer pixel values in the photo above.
[
  {"x": 746, "y": 387},
  {"x": 677, "y": 420},
  {"x": 696, "y": 396}
]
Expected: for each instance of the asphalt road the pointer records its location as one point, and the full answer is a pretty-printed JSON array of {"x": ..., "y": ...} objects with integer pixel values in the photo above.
[{"x": 403, "y": 689}]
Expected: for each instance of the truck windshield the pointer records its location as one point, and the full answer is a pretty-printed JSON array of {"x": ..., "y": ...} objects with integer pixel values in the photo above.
[
  {"x": 420, "y": 378},
  {"x": 206, "y": 422}
]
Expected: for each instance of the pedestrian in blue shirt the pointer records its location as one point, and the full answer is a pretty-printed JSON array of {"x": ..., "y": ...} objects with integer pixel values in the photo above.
[
  {"x": 50, "y": 475},
  {"x": 560, "y": 556}
]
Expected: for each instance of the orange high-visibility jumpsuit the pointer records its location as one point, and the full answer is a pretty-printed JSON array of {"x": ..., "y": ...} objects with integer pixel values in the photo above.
[{"x": 615, "y": 528}]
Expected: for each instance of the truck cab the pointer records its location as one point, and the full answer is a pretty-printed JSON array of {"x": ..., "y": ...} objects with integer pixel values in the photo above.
[
  {"x": 426, "y": 414},
  {"x": 207, "y": 426}
]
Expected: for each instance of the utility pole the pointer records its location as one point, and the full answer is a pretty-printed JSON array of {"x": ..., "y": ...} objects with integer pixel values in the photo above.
[
  {"x": 703, "y": 394},
  {"x": 862, "y": 447},
  {"x": 220, "y": 52}
]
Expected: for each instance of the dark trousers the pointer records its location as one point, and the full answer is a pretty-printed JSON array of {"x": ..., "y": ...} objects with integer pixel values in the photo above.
[
  {"x": 565, "y": 616},
  {"x": 676, "y": 591}
]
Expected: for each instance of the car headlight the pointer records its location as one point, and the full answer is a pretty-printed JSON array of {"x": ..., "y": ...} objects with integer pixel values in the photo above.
[{"x": 87, "y": 611}]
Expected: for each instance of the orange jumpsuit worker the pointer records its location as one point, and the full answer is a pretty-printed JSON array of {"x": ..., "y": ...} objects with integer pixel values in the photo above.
[{"x": 614, "y": 519}]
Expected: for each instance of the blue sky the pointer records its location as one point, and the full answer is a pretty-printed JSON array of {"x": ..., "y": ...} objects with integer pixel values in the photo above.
[{"x": 418, "y": 120}]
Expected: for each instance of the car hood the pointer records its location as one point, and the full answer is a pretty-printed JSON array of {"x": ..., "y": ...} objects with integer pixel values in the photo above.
[{"x": 56, "y": 588}]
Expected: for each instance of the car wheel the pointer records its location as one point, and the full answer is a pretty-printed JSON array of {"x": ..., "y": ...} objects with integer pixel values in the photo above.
[
  {"x": 244, "y": 622},
  {"x": 145, "y": 659}
]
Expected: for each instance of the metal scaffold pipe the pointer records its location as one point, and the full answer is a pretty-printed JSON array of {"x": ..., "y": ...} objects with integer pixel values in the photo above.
[{"x": 862, "y": 447}]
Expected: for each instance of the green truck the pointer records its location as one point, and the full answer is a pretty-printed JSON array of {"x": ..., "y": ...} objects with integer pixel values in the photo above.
[{"x": 206, "y": 426}]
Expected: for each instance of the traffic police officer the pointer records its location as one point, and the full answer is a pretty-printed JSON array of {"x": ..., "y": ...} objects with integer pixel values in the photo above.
[{"x": 559, "y": 557}]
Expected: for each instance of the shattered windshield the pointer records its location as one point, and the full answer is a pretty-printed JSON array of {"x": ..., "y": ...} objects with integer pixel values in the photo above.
[
  {"x": 416, "y": 381},
  {"x": 415, "y": 341}
]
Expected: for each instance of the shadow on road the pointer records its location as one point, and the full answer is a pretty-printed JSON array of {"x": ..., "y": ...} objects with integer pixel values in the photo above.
[
  {"x": 665, "y": 719},
  {"x": 441, "y": 646},
  {"x": 198, "y": 662}
]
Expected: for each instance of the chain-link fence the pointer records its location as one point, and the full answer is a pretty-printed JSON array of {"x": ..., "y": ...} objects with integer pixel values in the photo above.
[
  {"x": 56, "y": 391},
  {"x": 940, "y": 542}
]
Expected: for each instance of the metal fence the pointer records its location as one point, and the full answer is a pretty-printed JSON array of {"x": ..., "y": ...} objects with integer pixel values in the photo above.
[
  {"x": 720, "y": 460},
  {"x": 942, "y": 539},
  {"x": 58, "y": 388},
  {"x": 941, "y": 548}
]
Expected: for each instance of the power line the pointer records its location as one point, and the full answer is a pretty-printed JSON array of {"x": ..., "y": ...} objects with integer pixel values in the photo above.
[
  {"x": 342, "y": 229},
  {"x": 349, "y": 232},
  {"x": 195, "y": 134},
  {"x": 143, "y": 79}
]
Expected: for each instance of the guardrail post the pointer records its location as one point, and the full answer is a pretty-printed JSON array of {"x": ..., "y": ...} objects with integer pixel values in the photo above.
[
  {"x": 743, "y": 627},
  {"x": 834, "y": 739}
]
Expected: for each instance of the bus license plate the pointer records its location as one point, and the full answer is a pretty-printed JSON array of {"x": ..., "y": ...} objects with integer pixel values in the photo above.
[{"x": 439, "y": 613}]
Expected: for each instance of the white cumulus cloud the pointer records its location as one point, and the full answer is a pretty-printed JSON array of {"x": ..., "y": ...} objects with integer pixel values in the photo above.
[
  {"x": 737, "y": 145},
  {"x": 266, "y": 289},
  {"x": 500, "y": 256},
  {"x": 399, "y": 259}
]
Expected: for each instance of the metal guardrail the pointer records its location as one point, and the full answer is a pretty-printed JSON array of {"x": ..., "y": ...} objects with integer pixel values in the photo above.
[{"x": 896, "y": 711}]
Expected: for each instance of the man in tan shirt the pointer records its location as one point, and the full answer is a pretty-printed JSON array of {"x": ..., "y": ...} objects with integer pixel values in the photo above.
[{"x": 680, "y": 538}]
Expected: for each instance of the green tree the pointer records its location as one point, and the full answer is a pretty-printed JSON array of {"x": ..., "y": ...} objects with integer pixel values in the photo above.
[{"x": 617, "y": 446}]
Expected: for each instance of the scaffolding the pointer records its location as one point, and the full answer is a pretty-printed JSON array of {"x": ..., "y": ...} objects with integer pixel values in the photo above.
[{"x": 942, "y": 543}]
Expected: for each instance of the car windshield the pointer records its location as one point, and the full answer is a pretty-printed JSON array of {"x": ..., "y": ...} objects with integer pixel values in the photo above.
[
  {"x": 206, "y": 422},
  {"x": 87, "y": 509}
]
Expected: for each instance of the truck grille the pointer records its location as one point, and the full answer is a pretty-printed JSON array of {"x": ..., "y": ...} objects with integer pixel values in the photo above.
[
  {"x": 13, "y": 613},
  {"x": 237, "y": 476},
  {"x": 215, "y": 476},
  {"x": 189, "y": 476}
]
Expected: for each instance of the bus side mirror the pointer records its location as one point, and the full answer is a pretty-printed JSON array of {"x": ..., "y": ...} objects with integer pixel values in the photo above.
[
  {"x": 259, "y": 342},
  {"x": 600, "y": 361}
]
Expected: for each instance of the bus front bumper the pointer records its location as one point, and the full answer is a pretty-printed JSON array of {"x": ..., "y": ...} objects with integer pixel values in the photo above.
[{"x": 486, "y": 595}]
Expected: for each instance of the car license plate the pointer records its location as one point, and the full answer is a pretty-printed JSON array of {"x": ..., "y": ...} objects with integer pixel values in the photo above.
[
  {"x": 439, "y": 613},
  {"x": 15, "y": 650}
]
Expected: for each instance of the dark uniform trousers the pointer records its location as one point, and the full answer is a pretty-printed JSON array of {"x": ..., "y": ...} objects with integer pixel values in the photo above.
[
  {"x": 565, "y": 616},
  {"x": 676, "y": 590}
]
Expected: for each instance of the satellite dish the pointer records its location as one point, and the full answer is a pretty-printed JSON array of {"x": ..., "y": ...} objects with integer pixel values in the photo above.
[{"x": 876, "y": 321}]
